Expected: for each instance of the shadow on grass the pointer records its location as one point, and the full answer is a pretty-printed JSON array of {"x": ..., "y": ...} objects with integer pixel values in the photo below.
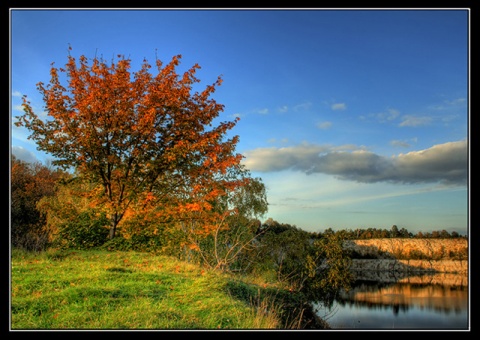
[{"x": 292, "y": 308}]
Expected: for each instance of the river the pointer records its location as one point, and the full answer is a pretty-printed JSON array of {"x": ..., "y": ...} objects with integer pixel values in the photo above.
[{"x": 427, "y": 302}]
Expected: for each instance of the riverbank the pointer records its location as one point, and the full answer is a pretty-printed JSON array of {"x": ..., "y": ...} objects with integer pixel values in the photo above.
[
  {"x": 451, "y": 273},
  {"x": 98, "y": 289},
  {"x": 444, "y": 261},
  {"x": 408, "y": 248},
  {"x": 410, "y": 266}
]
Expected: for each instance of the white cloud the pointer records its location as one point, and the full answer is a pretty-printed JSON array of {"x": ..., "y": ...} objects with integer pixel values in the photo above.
[
  {"x": 339, "y": 106},
  {"x": 385, "y": 116},
  {"x": 450, "y": 104},
  {"x": 324, "y": 125},
  {"x": 414, "y": 121},
  {"x": 277, "y": 159},
  {"x": 445, "y": 163},
  {"x": 302, "y": 106},
  {"x": 263, "y": 111}
]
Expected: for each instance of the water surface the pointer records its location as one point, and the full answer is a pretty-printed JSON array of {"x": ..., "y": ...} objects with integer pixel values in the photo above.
[{"x": 435, "y": 302}]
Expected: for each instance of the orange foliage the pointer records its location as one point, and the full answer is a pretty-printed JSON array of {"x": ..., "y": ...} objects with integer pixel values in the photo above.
[{"x": 147, "y": 139}]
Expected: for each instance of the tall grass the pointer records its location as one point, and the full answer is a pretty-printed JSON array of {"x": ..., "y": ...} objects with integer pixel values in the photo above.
[{"x": 93, "y": 290}]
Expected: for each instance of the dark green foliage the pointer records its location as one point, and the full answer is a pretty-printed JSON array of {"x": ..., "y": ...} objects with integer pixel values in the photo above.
[
  {"x": 242, "y": 290},
  {"x": 394, "y": 232},
  {"x": 316, "y": 266},
  {"x": 29, "y": 183},
  {"x": 293, "y": 308},
  {"x": 135, "y": 243},
  {"x": 87, "y": 231},
  {"x": 286, "y": 252},
  {"x": 332, "y": 271}
]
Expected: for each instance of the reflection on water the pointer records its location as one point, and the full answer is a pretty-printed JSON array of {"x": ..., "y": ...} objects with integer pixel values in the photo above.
[{"x": 421, "y": 302}]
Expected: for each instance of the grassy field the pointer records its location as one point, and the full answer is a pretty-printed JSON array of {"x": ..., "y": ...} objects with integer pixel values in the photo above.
[{"x": 96, "y": 290}]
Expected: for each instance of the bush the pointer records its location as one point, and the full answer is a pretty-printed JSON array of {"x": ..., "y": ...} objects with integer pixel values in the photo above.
[
  {"x": 140, "y": 243},
  {"x": 30, "y": 182},
  {"x": 87, "y": 231}
]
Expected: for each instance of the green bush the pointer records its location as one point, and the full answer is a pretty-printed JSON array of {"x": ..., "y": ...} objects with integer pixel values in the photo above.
[
  {"x": 87, "y": 231},
  {"x": 139, "y": 242}
]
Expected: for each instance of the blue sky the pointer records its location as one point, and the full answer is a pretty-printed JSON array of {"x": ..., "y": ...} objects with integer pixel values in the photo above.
[{"x": 352, "y": 118}]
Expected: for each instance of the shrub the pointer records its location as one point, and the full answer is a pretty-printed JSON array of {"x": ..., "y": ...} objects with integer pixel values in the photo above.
[{"x": 87, "y": 231}]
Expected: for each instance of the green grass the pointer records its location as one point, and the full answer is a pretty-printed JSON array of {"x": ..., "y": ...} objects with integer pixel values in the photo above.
[{"x": 128, "y": 290}]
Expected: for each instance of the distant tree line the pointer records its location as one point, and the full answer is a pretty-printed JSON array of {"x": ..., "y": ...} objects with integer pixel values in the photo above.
[
  {"x": 364, "y": 234},
  {"x": 393, "y": 232}
]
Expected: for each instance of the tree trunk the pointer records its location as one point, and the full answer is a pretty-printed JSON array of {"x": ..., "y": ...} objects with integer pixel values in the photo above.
[{"x": 113, "y": 227}]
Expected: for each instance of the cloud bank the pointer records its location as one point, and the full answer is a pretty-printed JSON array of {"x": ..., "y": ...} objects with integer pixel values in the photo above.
[{"x": 444, "y": 163}]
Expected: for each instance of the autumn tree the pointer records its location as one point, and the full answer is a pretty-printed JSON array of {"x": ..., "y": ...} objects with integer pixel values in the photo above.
[
  {"x": 30, "y": 182},
  {"x": 147, "y": 139}
]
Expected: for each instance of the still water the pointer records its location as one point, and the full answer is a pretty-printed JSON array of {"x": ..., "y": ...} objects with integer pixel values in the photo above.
[{"x": 428, "y": 302}]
